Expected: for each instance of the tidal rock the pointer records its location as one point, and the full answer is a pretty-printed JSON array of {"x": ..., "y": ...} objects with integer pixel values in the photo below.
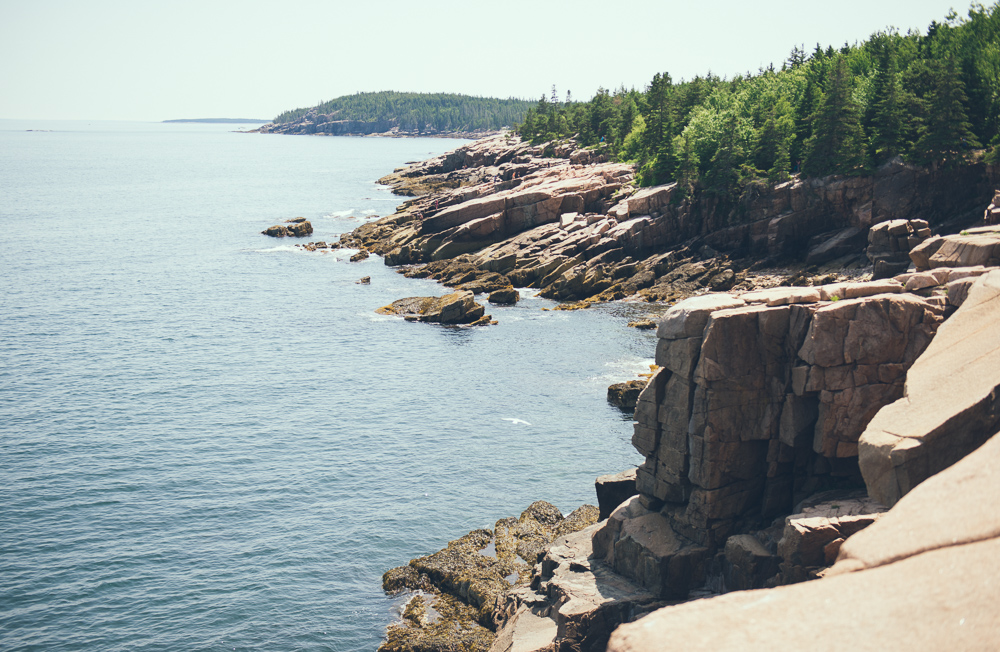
[
  {"x": 361, "y": 255},
  {"x": 504, "y": 297},
  {"x": 454, "y": 308},
  {"x": 297, "y": 227},
  {"x": 951, "y": 403},
  {"x": 626, "y": 395},
  {"x": 364, "y": 280}
]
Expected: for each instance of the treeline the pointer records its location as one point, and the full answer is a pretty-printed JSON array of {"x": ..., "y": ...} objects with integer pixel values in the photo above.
[
  {"x": 931, "y": 97},
  {"x": 420, "y": 111}
]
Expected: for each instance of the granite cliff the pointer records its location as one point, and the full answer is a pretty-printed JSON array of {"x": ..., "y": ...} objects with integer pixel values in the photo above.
[{"x": 791, "y": 414}]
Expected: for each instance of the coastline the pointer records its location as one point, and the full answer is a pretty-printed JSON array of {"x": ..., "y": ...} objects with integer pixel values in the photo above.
[{"x": 565, "y": 221}]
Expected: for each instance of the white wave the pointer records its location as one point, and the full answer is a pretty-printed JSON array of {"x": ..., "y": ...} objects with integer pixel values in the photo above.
[{"x": 516, "y": 422}]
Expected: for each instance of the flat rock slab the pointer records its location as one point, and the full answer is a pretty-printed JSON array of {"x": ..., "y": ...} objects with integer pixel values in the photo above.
[
  {"x": 942, "y": 600},
  {"x": 951, "y": 403},
  {"x": 954, "y": 507}
]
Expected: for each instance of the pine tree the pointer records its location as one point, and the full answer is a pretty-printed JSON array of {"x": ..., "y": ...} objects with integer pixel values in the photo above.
[
  {"x": 885, "y": 119},
  {"x": 771, "y": 153},
  {"x": 837, "y": 145},
  {"x": 946, "y": 133}
]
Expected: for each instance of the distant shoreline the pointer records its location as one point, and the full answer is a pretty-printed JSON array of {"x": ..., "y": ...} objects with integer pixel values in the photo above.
[{"x": 220, "y": 120}]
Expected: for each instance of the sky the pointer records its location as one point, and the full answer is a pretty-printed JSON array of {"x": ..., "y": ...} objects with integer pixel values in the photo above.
[{"x": 149, "y": 60}]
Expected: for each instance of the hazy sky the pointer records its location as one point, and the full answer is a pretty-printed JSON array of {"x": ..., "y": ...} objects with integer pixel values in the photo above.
[{"x": 146, "y": 60}]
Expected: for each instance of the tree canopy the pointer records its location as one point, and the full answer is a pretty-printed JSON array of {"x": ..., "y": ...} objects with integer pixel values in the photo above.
[
  {"x": 440, "y": 112},
  {"x": 929, "y": 97}
]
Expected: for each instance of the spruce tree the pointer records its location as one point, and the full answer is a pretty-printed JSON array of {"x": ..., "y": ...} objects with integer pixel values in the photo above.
[
  {"x": 885, "y": 119},
  {"x": 837, "y": 145},
  {"x": 946, "y": 133}
]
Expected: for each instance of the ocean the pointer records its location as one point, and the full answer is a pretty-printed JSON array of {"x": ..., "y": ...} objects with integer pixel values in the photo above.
[{"x": 208, "y": 438}]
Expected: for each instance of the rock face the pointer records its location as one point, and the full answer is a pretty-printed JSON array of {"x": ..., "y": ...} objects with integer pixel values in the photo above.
[
  {"x": 556, "y": 218},
  {"x": 759, "y": 402},
  {"x": 923, "y": 577},
  {"x": 951, "y": 403},
  {"x": 454, "y": 308}
]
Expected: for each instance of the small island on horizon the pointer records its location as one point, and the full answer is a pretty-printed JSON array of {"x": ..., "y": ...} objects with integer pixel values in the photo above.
[{"x": 219, "y": 120}]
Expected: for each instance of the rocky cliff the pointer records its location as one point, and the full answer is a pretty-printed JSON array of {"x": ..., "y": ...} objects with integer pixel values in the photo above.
[
  {"x": 566, "y": 221},
  {"x": 782, "y": 423}
]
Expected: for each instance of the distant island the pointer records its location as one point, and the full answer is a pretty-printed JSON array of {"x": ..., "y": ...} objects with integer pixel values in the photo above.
[
  {"x": 219, "y": 120},
  {"x": 394, "y": 113}
]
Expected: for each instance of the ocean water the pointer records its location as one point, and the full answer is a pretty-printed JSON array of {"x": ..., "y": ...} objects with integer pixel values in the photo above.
[{"x": 209, "y": 440}]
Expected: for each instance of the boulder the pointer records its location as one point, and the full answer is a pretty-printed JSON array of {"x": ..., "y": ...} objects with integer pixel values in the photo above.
[
  {"x": 811, "y": 539},
  {"x": 277, "y": 231},
  {"x": 504, "y": 297},
  {"x": 613, "y": 490},
  {"x": 455, "y": 308},
  {"x": 748, "y": 564},
  {"x": 951, "y": 403},
  {"x": 626, "y": 395}
]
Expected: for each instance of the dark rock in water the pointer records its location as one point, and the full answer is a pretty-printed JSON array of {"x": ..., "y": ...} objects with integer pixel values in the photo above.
[
  {"x": 295, "y": 220},
  {"x": 277, "y": 231},
  {"x": 301, "y": 229},
  {"x": 613, "y": 490},
  {"x": 364, "y": 280},
  {"x": 626, "y": 395},
  {"x": 361, "y": 255},
  {"x": 505, "y": 297},
  {"x": 298, "y": 228},
  {"x": 455, "y": 308}
]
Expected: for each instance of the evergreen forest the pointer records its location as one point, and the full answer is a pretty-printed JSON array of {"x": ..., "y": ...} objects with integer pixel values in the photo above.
[
  {"x": 931, "y": 98},
  {"x": 437, "y": 112}
]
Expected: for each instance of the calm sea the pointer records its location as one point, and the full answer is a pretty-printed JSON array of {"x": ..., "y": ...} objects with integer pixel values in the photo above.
[{"x": 209, "y": 440}]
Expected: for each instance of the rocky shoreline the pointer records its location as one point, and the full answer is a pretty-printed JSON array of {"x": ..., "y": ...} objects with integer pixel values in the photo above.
[{"x": 810, "y": 374}]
